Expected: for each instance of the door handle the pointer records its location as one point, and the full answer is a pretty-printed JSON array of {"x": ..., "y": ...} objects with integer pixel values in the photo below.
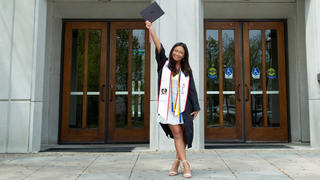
[
  {"x": 102, "y": 92},
  {"x": 238, "y": 93},
  {"x": 247, "y": 92},
  {"x": 111, "y": 93}
]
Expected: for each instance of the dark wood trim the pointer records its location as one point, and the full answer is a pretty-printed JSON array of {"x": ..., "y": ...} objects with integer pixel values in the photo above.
[
  {"x": 85, "y": 81},
  {"x": 102, "y": 20},
  {"x": 61, "y": 80},
  {"x": 243, "y": 20},
  {"x": 282, "y": 82},
  {"x": 205, "y": 80},
  {"x": 107, "y": 85},
  {"x": 103, "y": 75},
  {"x": 66, "y": 82},
  {"x": 112, "y": 83},
  {"x": 264, "y": 79},
  {"x": 129, "y": 115},
  {"x": 220, "y": 78},
  {"x": 238, "y": 80},
  {"x": 147, "y": 86},
  {"x": 247, "y": 96}
]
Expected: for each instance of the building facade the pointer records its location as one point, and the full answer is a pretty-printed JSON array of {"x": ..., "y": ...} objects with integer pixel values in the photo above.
[{"x": 84, "y": 71}]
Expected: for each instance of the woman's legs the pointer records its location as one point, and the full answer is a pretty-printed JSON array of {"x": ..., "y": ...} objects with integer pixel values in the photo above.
[
  {"x": 184, "y": 140},
  {"x": 179, "y": 143}
]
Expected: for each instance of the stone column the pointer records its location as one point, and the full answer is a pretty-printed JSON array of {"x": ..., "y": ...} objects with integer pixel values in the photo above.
[
  {"x": 21, "y": 61},
  {"x": 182, "y": 21},
  {"x": 312, "y": 17}
]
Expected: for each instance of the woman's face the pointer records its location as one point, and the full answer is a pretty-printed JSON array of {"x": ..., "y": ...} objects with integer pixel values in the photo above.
[{"x": 178, "y": 53}]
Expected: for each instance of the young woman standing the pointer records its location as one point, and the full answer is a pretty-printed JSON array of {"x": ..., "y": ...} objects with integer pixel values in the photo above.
[{"x": 178, "y": 103}]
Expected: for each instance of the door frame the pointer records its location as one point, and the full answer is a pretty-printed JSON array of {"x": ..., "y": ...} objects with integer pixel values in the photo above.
[
  {"x": 258, "y": 133},
  {"x": 286, "y": 74},
  {"x": 232, "y": 133},
  {"x": 116, "y": 134},
  {"x": 67, "y": 134},
  {"x": 107, "y": 80}
]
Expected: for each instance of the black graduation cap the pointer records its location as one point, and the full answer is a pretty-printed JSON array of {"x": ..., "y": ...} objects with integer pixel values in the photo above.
[{"x": 152, "y": 12}]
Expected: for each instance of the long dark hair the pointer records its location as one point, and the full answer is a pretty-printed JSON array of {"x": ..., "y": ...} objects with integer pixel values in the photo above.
[{"x": 185, "y": 67}]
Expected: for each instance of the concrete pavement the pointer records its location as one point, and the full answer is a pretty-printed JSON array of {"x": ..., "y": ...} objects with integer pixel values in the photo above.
[{"x": 246, "y": 164}]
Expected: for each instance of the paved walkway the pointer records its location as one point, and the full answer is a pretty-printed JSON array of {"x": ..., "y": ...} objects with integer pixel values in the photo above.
[{"x": 246, "y": 164}]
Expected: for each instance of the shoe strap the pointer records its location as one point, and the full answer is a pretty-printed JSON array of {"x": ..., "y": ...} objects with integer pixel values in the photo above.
[{"x": 186, "y": 162}]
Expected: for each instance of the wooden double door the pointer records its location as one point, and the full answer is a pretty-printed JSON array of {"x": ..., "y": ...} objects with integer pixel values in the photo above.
[
  {"x": 245, "y": 82},
  {"x": 105, "y": 94}
]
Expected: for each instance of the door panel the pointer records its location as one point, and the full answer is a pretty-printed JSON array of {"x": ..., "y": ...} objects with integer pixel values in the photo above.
[
  {"x": 266, "y": 102},
  {"x": 223, "y": 82},
  {"x": 129, "y": 83},
  {"x": 84, "y": 79},
  {"x": 262, "y": 85}
]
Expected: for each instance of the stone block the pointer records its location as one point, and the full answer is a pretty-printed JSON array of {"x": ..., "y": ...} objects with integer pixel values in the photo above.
[
  {"x": 19, "y": 125},
  {"x": 22, "y": 49},
  {"x": 314, "y": 106},
  {"x": 35, "y": 128},
  {"x": 6, "y": 14},
  {"x": 3, "y": 125}
]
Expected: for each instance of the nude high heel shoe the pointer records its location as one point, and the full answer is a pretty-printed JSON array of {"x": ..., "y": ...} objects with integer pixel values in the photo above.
[
  {"x": 173, "y": 171},
  {"x": 186, "y": 175}
]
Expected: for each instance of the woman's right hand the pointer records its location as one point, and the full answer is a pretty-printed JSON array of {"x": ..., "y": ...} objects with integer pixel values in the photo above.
[
  {"x": 153, "y": 36},
  {"x": 149, "y": 25}
]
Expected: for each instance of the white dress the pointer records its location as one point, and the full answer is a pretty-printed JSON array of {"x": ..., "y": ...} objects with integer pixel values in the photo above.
[{"x": 172, "y": 118}]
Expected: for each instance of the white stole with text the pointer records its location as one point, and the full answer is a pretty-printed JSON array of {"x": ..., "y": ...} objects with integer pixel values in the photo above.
[{"x": 165, "y": 90}]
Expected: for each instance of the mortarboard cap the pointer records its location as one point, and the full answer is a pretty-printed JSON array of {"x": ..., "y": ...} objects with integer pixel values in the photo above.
[{"x": 152, "y": 12}]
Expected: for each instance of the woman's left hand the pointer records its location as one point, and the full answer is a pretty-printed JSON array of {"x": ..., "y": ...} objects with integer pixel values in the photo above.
[{"x": 194, "y": 114}]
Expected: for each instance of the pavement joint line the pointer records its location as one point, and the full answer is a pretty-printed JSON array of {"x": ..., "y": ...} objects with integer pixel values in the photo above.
[
  {"x": 302, "y": 156},
  {"x": 226, "y": 164},
  {"x": 311, "y": 160},
  {"x": 134, "y": 165},
  {"x": 280, "y": 169},
  {"x": 87, "y": 167},
  {"x": 41, "y": 167}
]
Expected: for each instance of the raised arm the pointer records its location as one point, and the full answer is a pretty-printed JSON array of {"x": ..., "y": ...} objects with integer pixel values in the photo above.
[{"x": 154, "y": 36}]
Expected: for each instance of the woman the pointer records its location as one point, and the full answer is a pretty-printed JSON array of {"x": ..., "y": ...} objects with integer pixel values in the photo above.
[{"x": 178, "y": 101}]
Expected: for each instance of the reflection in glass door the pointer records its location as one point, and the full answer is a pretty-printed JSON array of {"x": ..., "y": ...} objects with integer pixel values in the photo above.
[
  {"x": 223, "y": 82},
  {"x": 129, "y": 83},
  {"x": 84, "y": 77}
]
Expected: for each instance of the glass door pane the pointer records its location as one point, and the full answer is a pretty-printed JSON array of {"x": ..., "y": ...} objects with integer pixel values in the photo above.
[
  {"x": 212, "y": 58},
  {"x": 256, "y": 78},
  {"x": 77, "y": 74},
  {"x": 270, "y": 61},
  {"x": 122, "y": 57},
  {"x": 137, "y": 80},
  {"x": 130, "y": 58},
  {"x": 229, "y": 95},
  {"x": 93, "y": 90},
  {"x": 272, "y": 80}
]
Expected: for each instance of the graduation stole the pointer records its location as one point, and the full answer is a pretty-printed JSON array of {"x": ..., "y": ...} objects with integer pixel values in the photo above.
[
  {"x": 175, "y": 103},
  {"x": 165, "y": 93}
]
